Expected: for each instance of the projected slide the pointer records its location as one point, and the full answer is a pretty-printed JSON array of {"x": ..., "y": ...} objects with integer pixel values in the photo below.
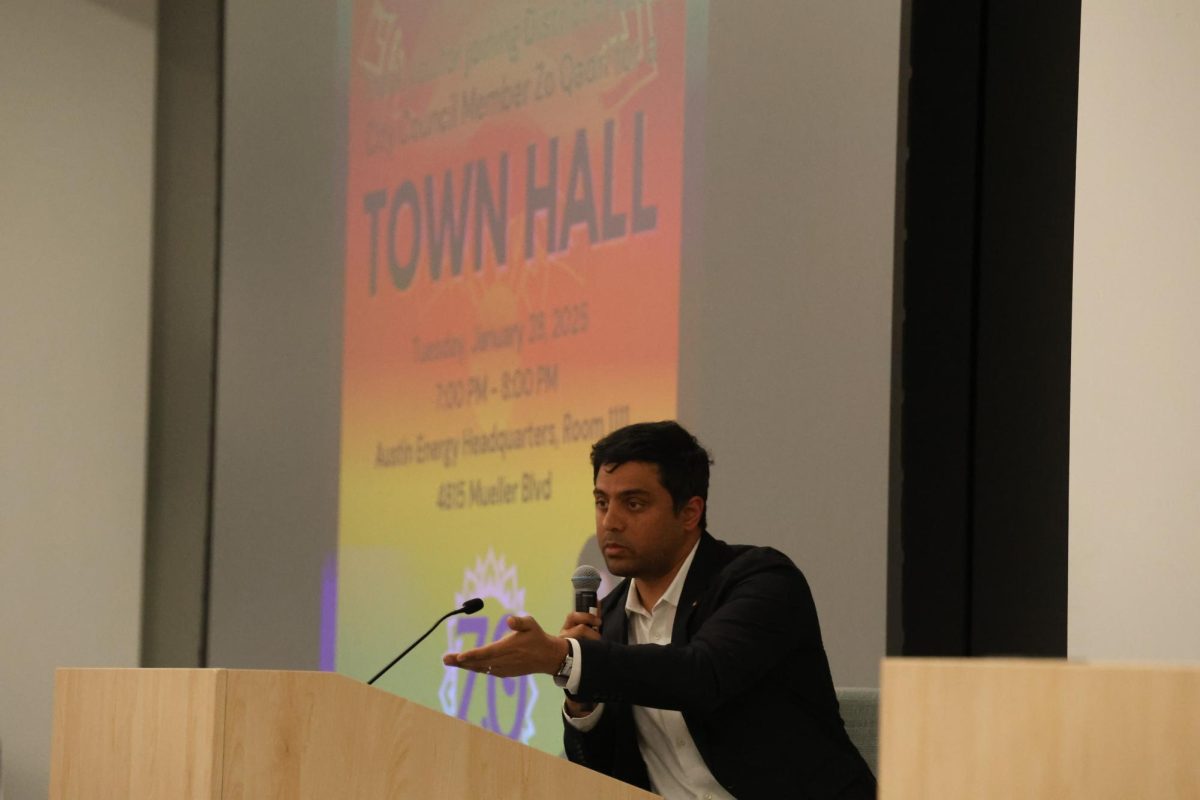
[{"x": 513, "y": 237}]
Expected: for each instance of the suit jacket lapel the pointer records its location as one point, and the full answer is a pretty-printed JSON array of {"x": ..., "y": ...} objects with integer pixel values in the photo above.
[
  {"x": 613, "y": 613},
  {"x": 705, "y": 566}
]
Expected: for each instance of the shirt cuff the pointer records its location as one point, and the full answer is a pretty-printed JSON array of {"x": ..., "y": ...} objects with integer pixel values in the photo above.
[
  {"x": 584, "y": 724},
  {"x": 571, "y": 682}
]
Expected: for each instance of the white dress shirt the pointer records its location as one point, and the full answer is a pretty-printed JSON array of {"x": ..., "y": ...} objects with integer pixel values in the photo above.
[{"x": 672, "y": 760}]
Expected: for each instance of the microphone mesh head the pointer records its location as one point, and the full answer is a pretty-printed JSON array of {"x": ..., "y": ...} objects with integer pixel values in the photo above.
[
  {"x": 472, "y": 605},
  {"x": 586, "y": 578}
]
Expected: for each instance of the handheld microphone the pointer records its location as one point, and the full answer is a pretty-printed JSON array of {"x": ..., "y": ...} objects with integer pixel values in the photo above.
[
  {"x": 586, "y": 580},
  {"x": 469, "y": 607}
]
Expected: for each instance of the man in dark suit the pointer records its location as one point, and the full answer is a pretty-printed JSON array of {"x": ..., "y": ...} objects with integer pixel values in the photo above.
[{"x": 704, "y": 675}]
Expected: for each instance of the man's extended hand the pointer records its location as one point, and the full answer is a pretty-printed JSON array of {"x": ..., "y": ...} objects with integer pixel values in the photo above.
[{"x": 525, "y": 651}]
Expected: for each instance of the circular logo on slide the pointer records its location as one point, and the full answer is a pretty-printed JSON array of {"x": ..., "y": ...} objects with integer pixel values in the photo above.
[{"x": 502, "y": 705}]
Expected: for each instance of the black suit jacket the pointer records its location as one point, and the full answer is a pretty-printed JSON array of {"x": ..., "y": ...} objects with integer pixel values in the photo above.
[{"x": 747, "y": 668}]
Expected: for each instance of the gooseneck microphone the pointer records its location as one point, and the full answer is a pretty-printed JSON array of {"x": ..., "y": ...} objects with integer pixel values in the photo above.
[
  {"x": 469, "y": 607},
  {"x": 586, "y": 581}
]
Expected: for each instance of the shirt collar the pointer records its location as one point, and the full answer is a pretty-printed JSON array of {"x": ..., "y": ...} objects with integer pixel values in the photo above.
[{"x": 633, "y": 603}]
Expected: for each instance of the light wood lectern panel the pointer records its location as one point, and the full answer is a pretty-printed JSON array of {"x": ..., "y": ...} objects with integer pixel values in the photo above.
[
  {"x": 1038, "y": 729},
  {"x": 249, "y": 734}
]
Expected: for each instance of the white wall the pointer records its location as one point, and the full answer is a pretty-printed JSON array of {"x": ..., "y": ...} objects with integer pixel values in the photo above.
[
  {"x": 1135, "y": 374},
  {"x": 275, "y": 482},
  {"x": 77, "y": 90}
]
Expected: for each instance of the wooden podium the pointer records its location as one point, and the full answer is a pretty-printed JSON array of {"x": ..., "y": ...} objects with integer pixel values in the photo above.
[
  {"x": 217, "y": 734},
  {"x": 1038, "y": 729}
]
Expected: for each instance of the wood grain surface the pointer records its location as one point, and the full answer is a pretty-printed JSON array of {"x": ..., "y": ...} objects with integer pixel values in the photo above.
[
  {"x": 1031, "y": 729},
  {"x": 147, "y": 734}
]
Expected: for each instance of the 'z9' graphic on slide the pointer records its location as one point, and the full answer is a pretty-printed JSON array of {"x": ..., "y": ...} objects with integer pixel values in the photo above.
[
  {"x": 507, "y": 702},
  {"x": 478, "y": 627}
]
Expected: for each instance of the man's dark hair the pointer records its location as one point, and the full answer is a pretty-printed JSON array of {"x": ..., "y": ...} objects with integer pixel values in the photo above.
[{"x": 681, "y": 460}]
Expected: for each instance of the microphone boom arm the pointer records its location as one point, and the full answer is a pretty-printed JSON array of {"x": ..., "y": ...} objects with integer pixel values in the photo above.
[{"x": 469, "y": 607}]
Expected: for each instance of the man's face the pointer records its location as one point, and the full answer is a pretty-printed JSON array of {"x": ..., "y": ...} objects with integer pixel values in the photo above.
[{"x": 637, "y": 528}]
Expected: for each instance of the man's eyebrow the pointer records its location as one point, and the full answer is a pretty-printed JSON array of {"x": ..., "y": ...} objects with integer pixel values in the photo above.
[{"x": 623, "y": 493}]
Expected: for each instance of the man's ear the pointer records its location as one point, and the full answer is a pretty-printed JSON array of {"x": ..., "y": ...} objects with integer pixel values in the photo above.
[{"x": 691, "y": 512}]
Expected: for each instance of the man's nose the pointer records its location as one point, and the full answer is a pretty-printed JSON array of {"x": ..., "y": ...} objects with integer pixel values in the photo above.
[{"x": 612, "y": 519}]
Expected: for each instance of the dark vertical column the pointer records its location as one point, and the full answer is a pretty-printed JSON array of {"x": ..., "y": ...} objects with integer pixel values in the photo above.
[
  {"x": 1022, "y": 410},
  {"x": 939, "y": 279},
  {"x": 183, "y": 330},
  {"x": 895, "y": 552},
  {"x": 985, "y": 379}
]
